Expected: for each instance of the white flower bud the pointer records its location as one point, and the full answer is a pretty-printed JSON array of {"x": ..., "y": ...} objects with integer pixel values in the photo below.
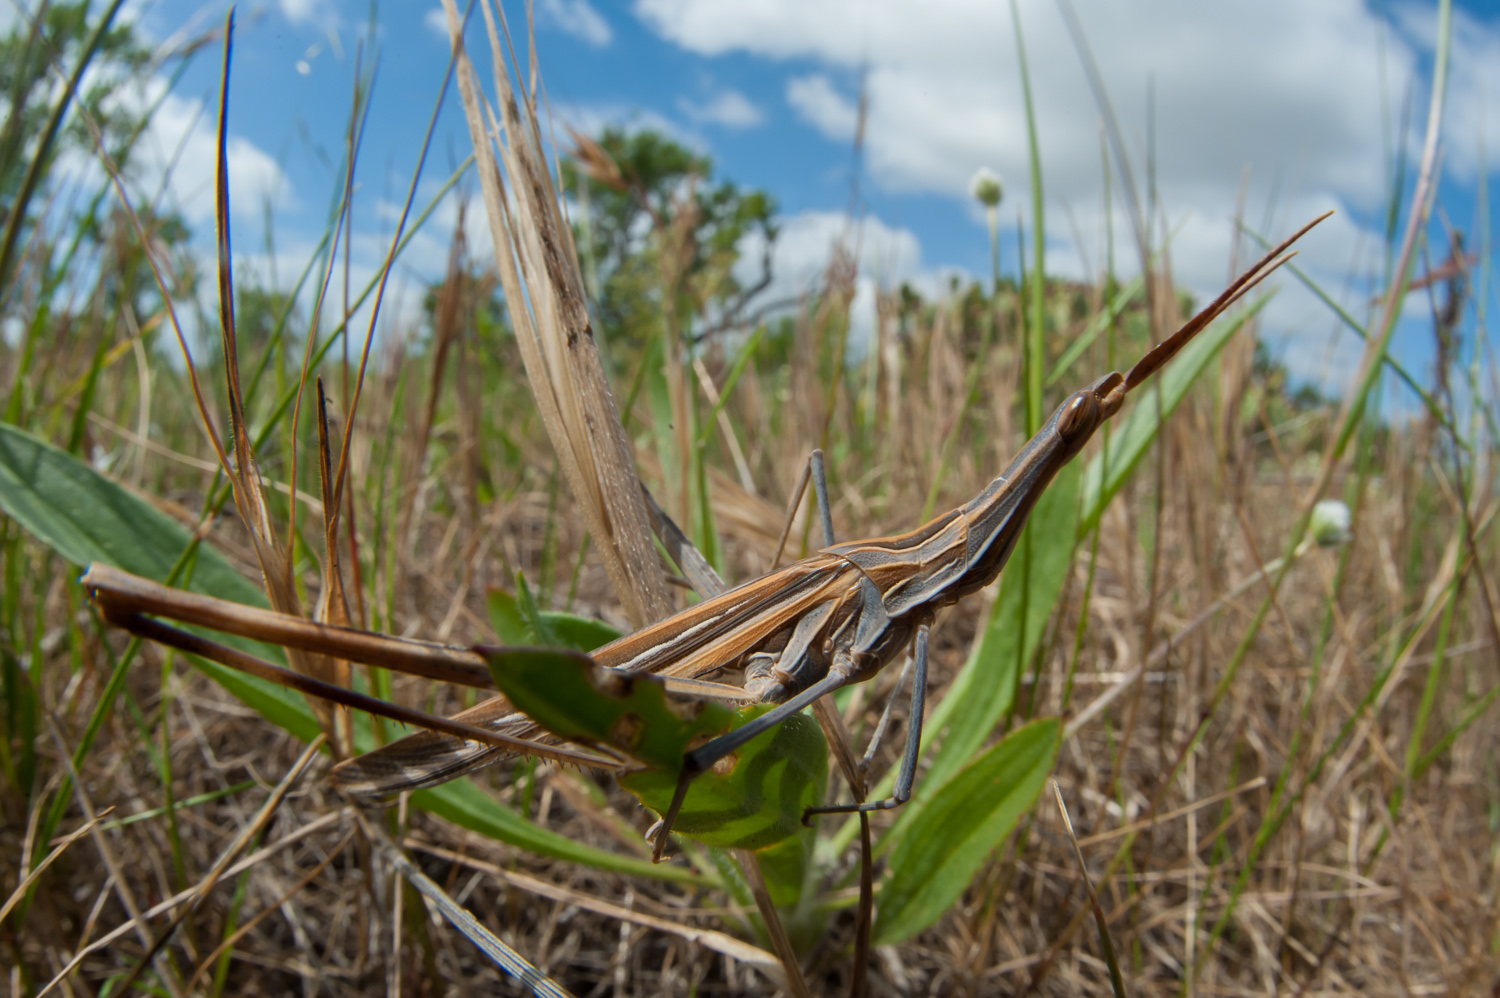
[
  {"x": 986, "y": 187},
  {"x": 1331, "y": 523}
]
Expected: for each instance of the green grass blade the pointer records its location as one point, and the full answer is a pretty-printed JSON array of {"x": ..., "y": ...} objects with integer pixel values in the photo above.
[
  {"x": 984, "y": 690},
  {"x": 85, "y": 517},
  {"x": 515, "y": 626},
  {"x": 1036, "y": 325},
  {"x": 1134, "y": 438}
]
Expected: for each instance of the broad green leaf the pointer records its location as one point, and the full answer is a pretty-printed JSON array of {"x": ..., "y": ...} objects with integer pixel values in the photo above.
[
  {"x": 506, "y": 618},
  {"x": 85, "y": 517},
  {"x": 568, "y": 630},
  {"x": 985, "y": 688},
  {"x": 754, "y": 799},
  {"x": 580, "y": 633},
  {"x": 960, "y": 826}
]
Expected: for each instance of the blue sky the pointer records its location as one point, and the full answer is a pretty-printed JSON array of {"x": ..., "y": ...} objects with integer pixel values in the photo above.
[{"x": 1303, "y": 99}]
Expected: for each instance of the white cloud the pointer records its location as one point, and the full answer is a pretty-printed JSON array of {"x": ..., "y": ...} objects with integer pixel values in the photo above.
[
  {"x": 178, "y": 154},
  {"x": 816, "y": 100},
  {"x": 320, "y": 12},
  {"x": 1297, "y": 97},
  {"x": 806, "y": 243},
  {"x": 729, "y": 108},
  {"x": 183, "y": 130},
  {"x": 577, "y": 18},
  {"x": 1473, "y": 114},
  {"x": 1281, "y": 86},
  {"x": 591, "y": 119}
]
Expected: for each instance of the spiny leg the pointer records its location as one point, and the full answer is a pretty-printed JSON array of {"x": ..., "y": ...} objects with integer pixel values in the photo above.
[
  {"x": 702, "y": 759},
  {"x": 913, "y": 739}
]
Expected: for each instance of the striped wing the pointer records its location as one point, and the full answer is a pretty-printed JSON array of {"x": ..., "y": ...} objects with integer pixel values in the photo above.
[{"x": 705, "y": 637}]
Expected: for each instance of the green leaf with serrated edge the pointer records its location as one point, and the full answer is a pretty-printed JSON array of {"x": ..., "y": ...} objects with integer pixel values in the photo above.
[
  {"x": 85, "y": 517},
  {"x": 960, "y": 826},
  {"x": 569, "y": 630},
  {"x": 755, "y": 799}
]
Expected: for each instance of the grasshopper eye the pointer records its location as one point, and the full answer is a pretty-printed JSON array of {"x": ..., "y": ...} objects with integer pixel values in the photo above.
[{"x": 1079, "y": 416}]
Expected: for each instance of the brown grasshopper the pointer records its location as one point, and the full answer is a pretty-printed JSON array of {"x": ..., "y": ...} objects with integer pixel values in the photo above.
[{"x": 799, "y": 633}]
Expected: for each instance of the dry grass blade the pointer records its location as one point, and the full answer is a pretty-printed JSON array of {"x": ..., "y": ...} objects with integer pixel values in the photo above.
[
  {"x": 719, "y": 942},
  {"x": 795, "y": 982},
  {"x": 116, "y": 875},
  {"x": 191, "y": 894},
  {"x": 252, "y": 829},
  {"x": 544, "y": 293},
  {"x": 459, "y": 917},
  {"x": 208, "y": 961},
  {"x": 244, "y": 472},
  {"x": 57, "y": 850}
]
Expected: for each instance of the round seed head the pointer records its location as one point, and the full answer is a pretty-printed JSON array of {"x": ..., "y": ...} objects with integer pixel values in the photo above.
[
  {"x": 986, "y": 187},
  {"x": 1331, "y": 523}
]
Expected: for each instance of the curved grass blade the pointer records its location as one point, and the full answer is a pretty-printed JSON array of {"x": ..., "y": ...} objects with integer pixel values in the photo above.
[{"x": 503, "y": 955}]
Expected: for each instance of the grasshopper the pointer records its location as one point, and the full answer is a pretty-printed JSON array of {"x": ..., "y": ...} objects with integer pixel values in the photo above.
[{"x": 798, "y": 633}]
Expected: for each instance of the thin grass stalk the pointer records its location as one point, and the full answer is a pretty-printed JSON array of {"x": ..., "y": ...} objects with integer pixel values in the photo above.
[
  {"x": 1112, "y": 331},
  {"x": 244, "y": 474}
]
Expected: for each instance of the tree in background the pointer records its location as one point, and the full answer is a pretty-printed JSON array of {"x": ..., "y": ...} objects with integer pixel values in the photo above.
[{"x": 660, "y": 239}]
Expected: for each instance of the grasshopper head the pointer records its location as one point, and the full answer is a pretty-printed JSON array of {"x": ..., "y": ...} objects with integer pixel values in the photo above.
[{"x": 1084, "y": 412}]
